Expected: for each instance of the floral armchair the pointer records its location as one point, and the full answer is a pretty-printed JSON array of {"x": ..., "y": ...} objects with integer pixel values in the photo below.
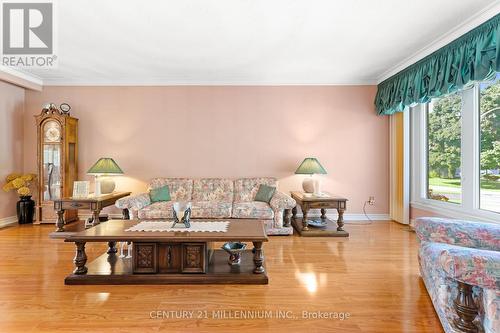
[{"x": 460, "y": 266}]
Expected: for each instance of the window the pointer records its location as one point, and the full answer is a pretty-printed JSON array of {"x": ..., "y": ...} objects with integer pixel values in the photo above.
[
  {"x": 489, "y": 122},
  {"x": 444, "y": 132},
  {"x": 455, "y": 153}
]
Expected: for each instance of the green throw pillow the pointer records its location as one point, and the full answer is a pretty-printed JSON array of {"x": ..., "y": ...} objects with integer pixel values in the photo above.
[
  {"x": 160, "y": 194},
  {"x": 265, "y": 193}
]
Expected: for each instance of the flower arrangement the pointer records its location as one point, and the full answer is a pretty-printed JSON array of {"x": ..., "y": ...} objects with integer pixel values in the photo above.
[{"x": 20, "y": 182}]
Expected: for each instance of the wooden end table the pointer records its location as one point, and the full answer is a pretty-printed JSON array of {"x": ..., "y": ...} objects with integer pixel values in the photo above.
[
  {"x": 328, "y": 201},
  {"x": 95, "y": 204}
]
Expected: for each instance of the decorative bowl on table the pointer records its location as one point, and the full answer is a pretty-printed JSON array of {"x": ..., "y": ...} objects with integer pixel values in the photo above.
[
  {"x": 182, "y": 215},
  {"x": 317, "y": 223},
  {"x": 234, "y": 249}
]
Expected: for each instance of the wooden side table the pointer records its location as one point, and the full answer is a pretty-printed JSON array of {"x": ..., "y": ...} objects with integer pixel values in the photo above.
[
  {"x": 307, "y": 202},
  {"x": 95, "y": 204}
]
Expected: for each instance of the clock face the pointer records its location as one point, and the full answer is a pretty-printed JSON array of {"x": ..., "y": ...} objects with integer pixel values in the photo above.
[{"x": 52, "y": 131}]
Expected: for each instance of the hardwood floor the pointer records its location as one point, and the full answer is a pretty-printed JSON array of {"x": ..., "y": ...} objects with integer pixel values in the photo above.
[{"x": 372, "y": 275}]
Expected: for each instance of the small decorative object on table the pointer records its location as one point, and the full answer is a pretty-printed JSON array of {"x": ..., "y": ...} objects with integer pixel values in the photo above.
[
  {"x": 234, "y": 249},
  {"x": 129, "y": 250},
  {"x": 25, "y": 206},
  {"x": 65, "y": 107},
  {"x": 182, "y": 215},
  {"x": 81, "y": 189},
  {"x": 50, "y": 108},
  {"x": 317, "y": 223}
]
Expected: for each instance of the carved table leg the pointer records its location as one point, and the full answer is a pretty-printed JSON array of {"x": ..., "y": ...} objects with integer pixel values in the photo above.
[
  {"x": 111, "y": 248},
  {"x": 465, "y": 308},
  {"x": 287, "y": 218},
  {"x": 95, "y": 216},
  {"x": 125, "y": 214},
  {"x": 60, "y": 221},
  {"x": 80, "y": 259},
  {"x": 258, "y": 258},
  {"x": 304, "y": 219},
  {"x": 323, "y": 213},
  {"x": 340, "y": 220}
]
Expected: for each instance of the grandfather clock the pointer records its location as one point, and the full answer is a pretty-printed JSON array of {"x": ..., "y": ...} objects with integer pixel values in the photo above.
[{"x": 57, "y": 152}]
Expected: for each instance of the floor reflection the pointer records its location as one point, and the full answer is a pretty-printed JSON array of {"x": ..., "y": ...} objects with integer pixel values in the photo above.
[
  {"x": 311, "y": 281},
  {"x": 309, "y": 275},
  {"x": 93, "y": 298}
]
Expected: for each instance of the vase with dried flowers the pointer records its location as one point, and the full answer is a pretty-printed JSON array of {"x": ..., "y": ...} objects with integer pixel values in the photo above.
[{"x": 22, "y": 183}]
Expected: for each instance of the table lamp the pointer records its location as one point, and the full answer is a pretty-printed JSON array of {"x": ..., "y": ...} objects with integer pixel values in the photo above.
[
  {"x": 103, "y": 167},
  {"x": 311, "y": 166}
]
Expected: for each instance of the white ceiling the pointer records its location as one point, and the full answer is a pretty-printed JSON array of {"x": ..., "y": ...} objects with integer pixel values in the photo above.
[{"x": 135, "y": 42}]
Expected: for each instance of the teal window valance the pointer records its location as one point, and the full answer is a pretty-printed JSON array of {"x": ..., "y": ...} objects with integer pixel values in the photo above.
[{"x": 474, "y": 56}]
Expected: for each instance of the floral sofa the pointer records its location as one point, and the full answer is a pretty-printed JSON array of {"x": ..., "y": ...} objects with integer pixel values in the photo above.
[
  {"x": 461, "y": 258},
  {"x": 215, "y": 198}
]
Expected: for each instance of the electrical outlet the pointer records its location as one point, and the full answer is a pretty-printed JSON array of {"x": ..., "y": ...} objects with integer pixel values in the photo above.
[{"x": 371, "y": 200}]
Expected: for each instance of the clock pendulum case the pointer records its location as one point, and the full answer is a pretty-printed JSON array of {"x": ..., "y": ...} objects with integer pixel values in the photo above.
[{"x": 57, "y": 151}]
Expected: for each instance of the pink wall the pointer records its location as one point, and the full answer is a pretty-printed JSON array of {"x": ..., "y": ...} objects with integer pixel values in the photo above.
[
  {"x": 229, "y": 131},
  {"x": 11, "y": 142}
]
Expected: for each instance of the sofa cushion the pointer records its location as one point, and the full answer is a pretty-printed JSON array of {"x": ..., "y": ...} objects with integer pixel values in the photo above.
[
  {"x": 213, "y": 189},
  {"x": 181, "y": 189},
  {"x": 265, "y": 193},
  {"x": 211, "y": 209},
  {"x": 159, "y": 194},
  {"x": 157, "y": 210},
  {"x": 245, "y": 189},
  {"x": 252, "y": 210}
]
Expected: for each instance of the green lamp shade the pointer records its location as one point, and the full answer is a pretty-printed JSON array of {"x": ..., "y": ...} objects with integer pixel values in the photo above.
[
  {"x": 105, "y": 165},
  {"x": 310, "y": 166}
]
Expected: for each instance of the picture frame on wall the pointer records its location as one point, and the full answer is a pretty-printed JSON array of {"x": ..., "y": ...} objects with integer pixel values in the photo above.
[{"x": 81, "y": 189}]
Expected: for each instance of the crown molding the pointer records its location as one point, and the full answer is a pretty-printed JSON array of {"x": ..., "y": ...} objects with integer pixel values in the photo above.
[
  {"x": 476, "y": 20},
  {"x": 160, "y": 81},
  {"x": 33, "y": 82},
  {"x": 20, "y": 78}
]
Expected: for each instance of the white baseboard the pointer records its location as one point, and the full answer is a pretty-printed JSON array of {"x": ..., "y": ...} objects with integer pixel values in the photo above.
[
  {"x": 353, "y": 217},
  {"x": 412, "y": 224},
  {"x": 6, "y": 221}
]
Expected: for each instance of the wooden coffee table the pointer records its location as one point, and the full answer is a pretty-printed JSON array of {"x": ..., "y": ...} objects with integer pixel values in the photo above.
[{"x": 169, "y": 257}]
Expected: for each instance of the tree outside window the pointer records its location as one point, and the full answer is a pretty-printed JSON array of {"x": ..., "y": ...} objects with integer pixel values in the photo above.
[
  {"x": 490, "y": 145},
  {"x": 444, "y": 148}
]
